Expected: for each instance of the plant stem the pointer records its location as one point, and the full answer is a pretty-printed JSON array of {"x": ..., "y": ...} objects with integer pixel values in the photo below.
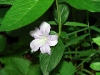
[
  {"x": 89, "y": 29},
  {"x": 77, "y": 31},
  {"x": 59, "y": 18},
  {"x": 79, "y": 52},
  {"x": 70, "y": 53},
  {"x": 87, "y": 71},
  {"x": 85, "y": 61}
]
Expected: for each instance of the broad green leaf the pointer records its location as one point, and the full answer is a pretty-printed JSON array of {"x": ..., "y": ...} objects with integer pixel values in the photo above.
[
  {"x": 61, "y": 13},
  {"x": 75, "y": 24},
  {"x": 97, "y": 73},
  {"x": 76, "y": 40},
  {"x": 90, "y": 5},
  {"x": 97, "y": 40},
  {"x": 64, "y": 34},
  {"x": 61, "y": 1},
  {"x": 95, "y": 66},
  {"x": 15, "y": 65},
  {"x": 2, "y": 72},
  {"x": 49, "y": 62},
  {"x": 23, "y": 13},
  {"x": 95, "y": 28},
  {"x": 2, "y": 43},
  {"x": 7, "y": 1},
  {"x": 34, "y": 70},
  {"x": 66, "y": 68}
]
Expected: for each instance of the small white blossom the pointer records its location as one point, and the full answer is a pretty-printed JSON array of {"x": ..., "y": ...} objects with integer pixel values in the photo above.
[{"x": 42, "y": 39}]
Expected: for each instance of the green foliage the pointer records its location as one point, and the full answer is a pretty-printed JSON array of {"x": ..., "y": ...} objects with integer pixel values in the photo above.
[
  {"x": 49, "y": 62},
  {"x": 95, "y": 66},
  {"x": 61, "y": 13},
  {"x": 34, "y": 70},
  {"x": 2, "y": 72},
  {"x": 15, "y": 65},
  {"x": 95, "y": 28},
  {"x": 90, "y": 5},
  {"x": 97, "y": 40},
  {"x": 78, "y": 30},
  {"x": 61, "y": 1},
  {"x": 86, "y": 44},
  {"x": 64, "y": 34},
  {"x": 76, "y": 40},
  {"x": 97, "y": 73},
  {"x": 22, "y": 13},
  {"x": 71, "y": 24},
  {"x": 87, "y": 52},
  {"x": 7, "y": 2},
  {"x": 75, "y": 24},
  {"x": 66, "y": 68},
  {"x": 18, "y": 66}
]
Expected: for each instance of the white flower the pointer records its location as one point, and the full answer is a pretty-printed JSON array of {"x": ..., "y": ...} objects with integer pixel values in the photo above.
[{"x": 42, "y": 39}]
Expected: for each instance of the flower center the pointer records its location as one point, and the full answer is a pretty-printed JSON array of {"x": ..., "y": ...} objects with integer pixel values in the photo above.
[{"x": 44, "y": 39}]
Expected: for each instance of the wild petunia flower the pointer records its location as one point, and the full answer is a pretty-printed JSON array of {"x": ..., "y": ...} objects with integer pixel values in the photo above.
[{"x": 42, "y": 39}]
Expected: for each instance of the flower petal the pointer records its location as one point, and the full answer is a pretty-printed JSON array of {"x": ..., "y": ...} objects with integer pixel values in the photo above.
[
  {"x": 52, "y": 40},
  {"x": 35, "y": 45},
  {"x": 45, "y": 28},
  {"x": 45, "y": 49},
  {"x": 36, "y": 33}
]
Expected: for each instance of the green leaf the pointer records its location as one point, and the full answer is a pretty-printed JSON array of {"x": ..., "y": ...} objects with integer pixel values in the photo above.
[
  {"x": 66, "y": 68},
  {"x": 52, "y": 22},
  {"x": 2, "y": 72},
  {"x": 97, "y": 40},
  {"x": 34, "y": 70},
  {"x": 7, "y": 1},
  {"x": 75, "y": 24},
  {"x": 61, "y": 1},
  {"x": 23, "y": 13},
  {"x": 61, "y": 14},
  {"x": 95, "y": 66},
  {"x": 97, "y": 73},
  {"x": 90, "y": 5},
  {"x": 86, "y": 53},
  {"x": 70, "y": 24},
  {"x": 95, "y": 28},
  {"x": 2, "y": 43},
  {"x": 52, "y": 32},
  {"x": 76, "y": 40},
  {"x": 15, "y": 65},
  {"x": 49, "y": 62},
  {"x": 64, "y": 34}
]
